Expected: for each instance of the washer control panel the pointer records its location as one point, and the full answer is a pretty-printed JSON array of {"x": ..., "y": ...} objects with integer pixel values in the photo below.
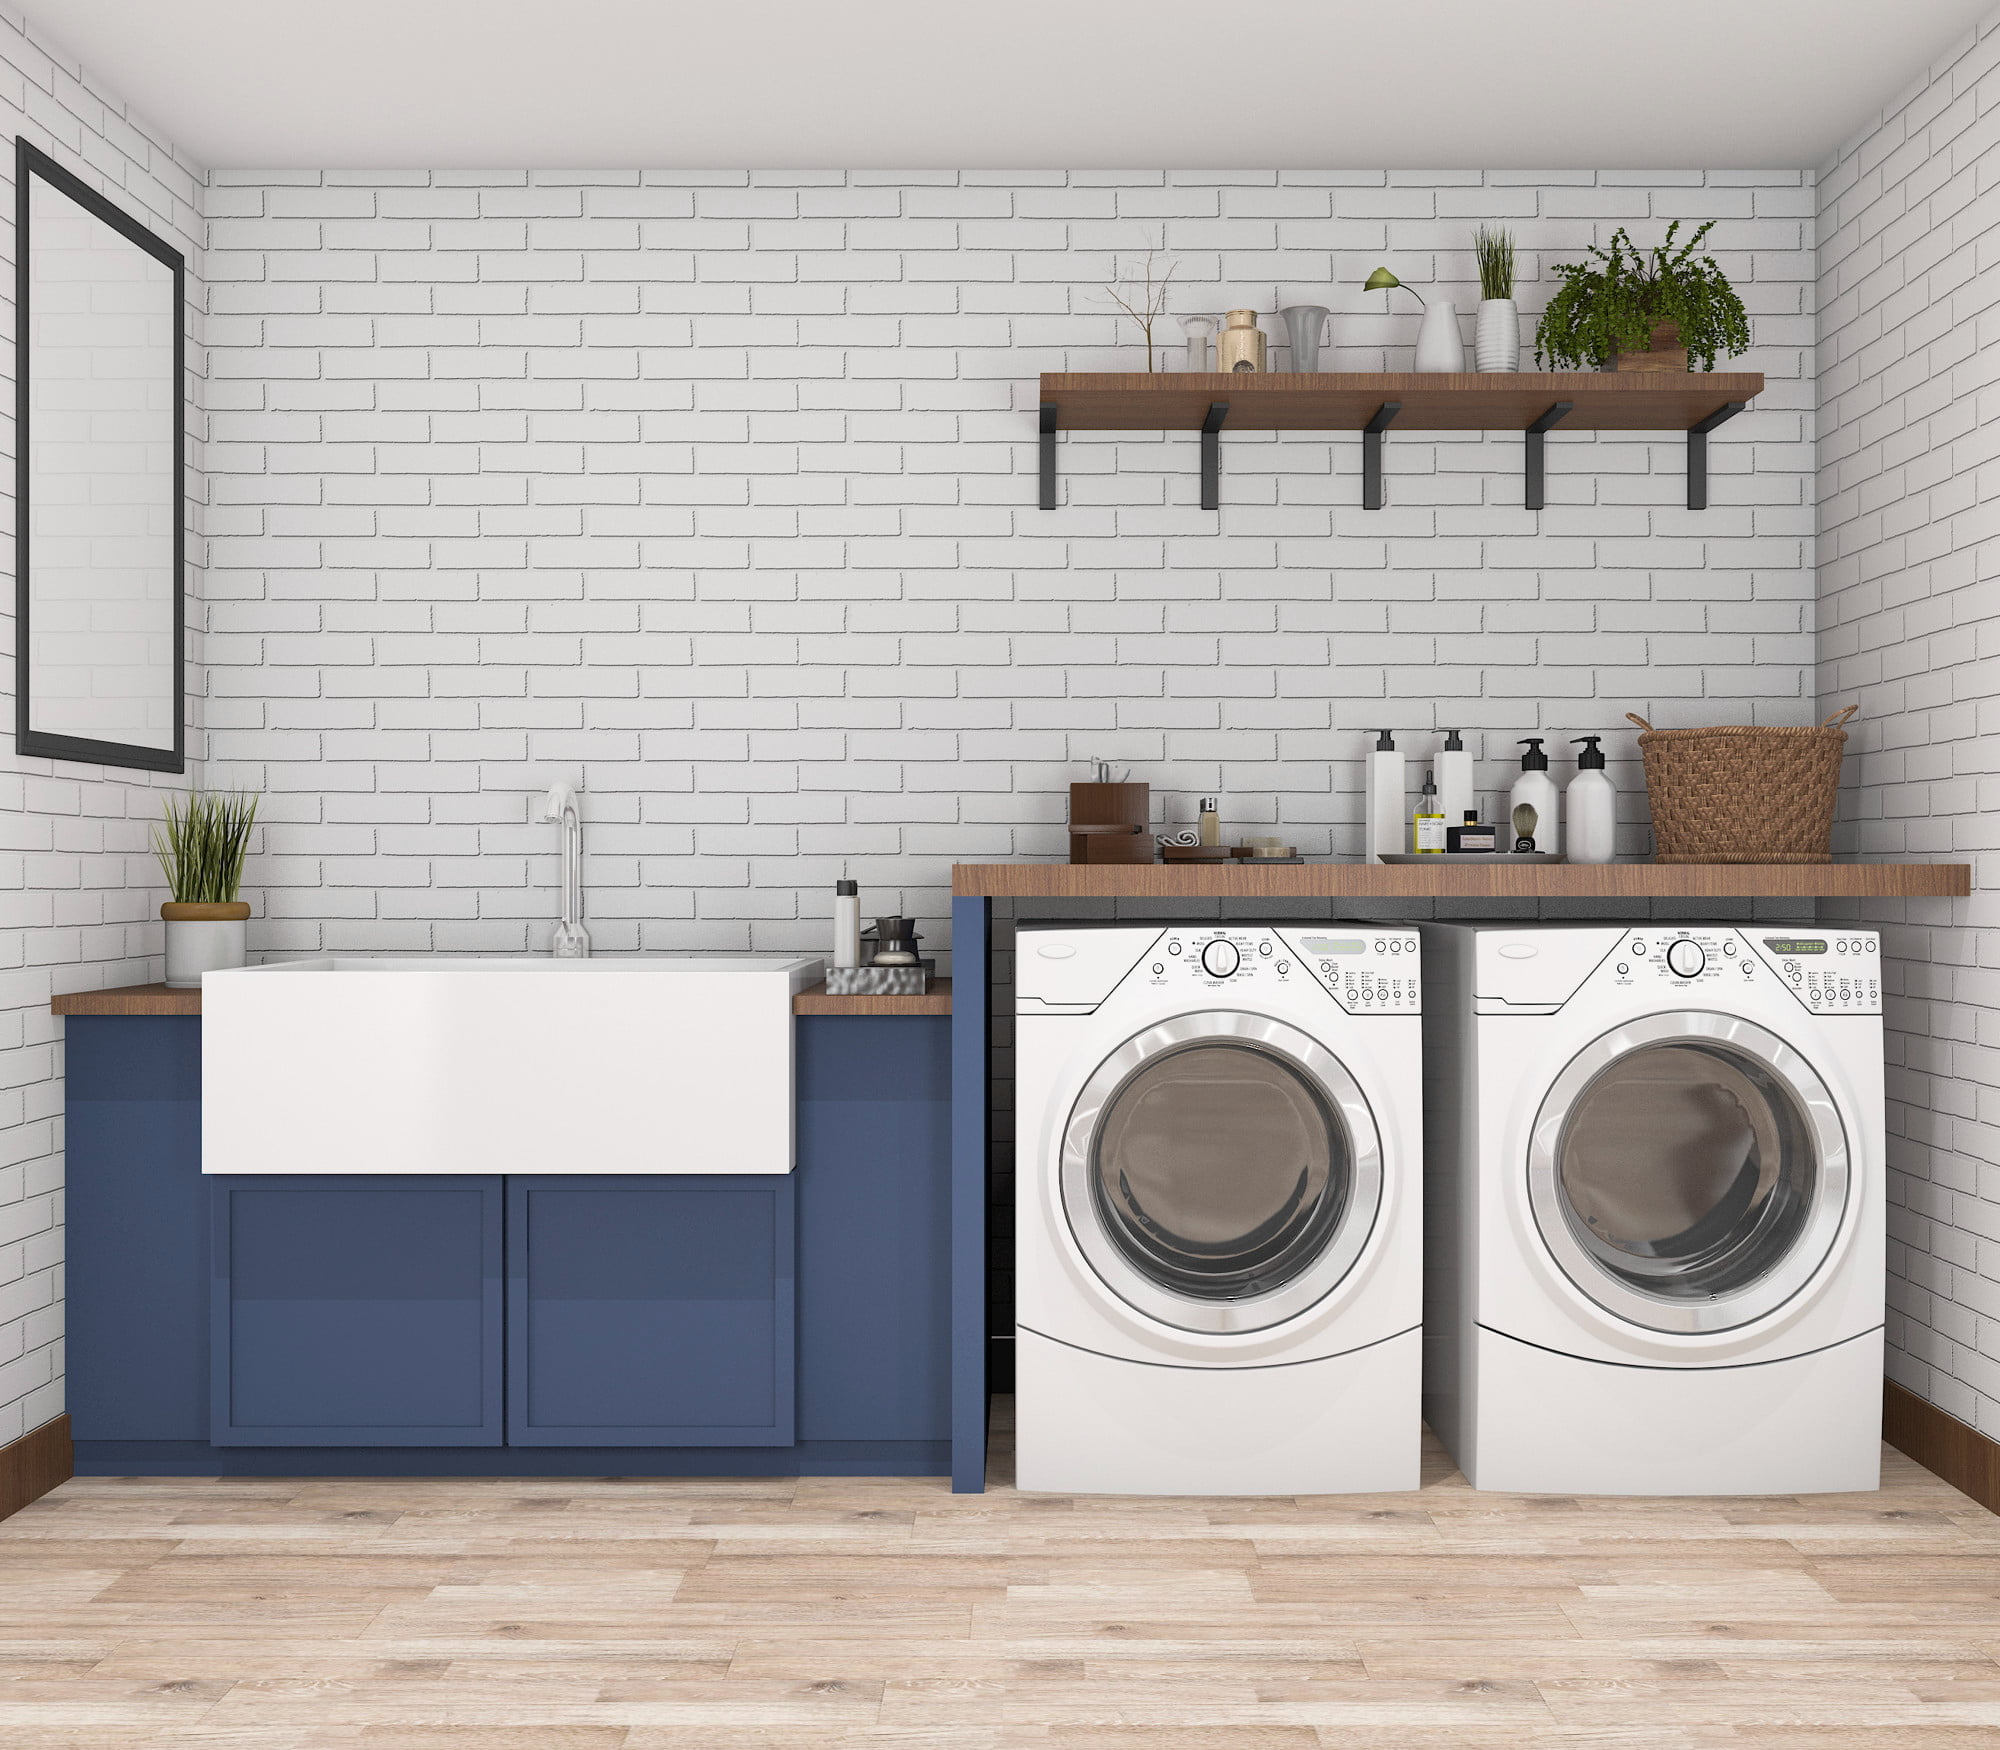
[
  {"x": 1831, "y": 974},
  {"x": 1367, "y": 972}
]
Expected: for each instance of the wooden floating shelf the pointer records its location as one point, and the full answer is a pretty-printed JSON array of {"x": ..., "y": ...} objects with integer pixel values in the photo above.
[
  {"x": 1375, "y": 402},
  {"x": 1468, "y": 881}
]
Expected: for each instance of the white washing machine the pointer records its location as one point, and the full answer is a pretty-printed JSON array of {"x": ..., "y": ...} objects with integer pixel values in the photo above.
[
  {"x": 1218, "y": 1256},
  {"x": 1656, "y": 1206}
]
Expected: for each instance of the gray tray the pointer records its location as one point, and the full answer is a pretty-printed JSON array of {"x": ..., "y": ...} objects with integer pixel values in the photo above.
[{"x": 1444, "y": 857}]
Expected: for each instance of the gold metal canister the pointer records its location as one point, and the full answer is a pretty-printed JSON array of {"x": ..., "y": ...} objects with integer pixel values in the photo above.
[{"x": 1240, "y": 345}]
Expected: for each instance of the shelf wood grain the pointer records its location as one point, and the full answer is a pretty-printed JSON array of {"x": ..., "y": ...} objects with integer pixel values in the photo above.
[
  {"x": 1470, "y": 881},
  {"x": 817, "y": 1001},
  {"x": 129, "y": 999},
  {"x": 1428, "y": 400}
]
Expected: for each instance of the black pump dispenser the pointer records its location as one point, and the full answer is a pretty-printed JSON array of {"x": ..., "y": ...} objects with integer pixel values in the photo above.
[
  {"x": 1534, "y": 760},
  {"x": 1592, "y": 757},
  {"x": 1451, "y": 742},
  {"x": 1384, "y": 741}
]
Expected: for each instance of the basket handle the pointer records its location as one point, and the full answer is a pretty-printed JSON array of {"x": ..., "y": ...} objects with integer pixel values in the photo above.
[
  {"x": 1840, "y": 717},
  {"x": 1634, "y": 717}
]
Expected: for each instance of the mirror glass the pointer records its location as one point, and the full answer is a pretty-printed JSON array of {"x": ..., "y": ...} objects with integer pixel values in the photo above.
[{"x": 99, "y": 546}]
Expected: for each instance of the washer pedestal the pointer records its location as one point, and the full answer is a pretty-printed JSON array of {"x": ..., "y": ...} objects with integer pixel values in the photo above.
[
  {"x": 1542, "y": 1423},
  {"x": 1089, "y": 1424}
]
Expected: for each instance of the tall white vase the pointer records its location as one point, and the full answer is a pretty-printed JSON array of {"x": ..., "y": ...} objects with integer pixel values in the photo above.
[
  {"x": 1439, "y": 344},
  {"x": 1496, "y": 339}
]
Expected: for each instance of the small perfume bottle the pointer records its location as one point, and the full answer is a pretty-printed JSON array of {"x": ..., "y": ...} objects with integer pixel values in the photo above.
[
  {"x": 1208, "y": 828},
  {"x": 1470, "y": 835}
]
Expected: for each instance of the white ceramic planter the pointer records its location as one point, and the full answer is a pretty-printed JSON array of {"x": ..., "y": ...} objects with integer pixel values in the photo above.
[
  {"x": 203, "y": 938},
  {"x": 1496, "y": 340},
  {"x": 1440, "y": 347}
]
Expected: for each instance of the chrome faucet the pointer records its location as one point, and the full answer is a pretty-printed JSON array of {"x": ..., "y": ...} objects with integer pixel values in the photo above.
[{"x": 572, "y": 940}]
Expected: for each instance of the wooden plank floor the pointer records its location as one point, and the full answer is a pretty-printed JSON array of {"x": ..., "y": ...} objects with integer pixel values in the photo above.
[{"x": 864, "y": 1615}]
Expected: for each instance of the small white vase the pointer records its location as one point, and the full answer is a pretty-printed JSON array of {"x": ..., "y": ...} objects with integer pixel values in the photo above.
[
  {"x": 203, "y": 938},
  {"x": 1496, "y": 339},
  {"x": 1439, "y": 344}
]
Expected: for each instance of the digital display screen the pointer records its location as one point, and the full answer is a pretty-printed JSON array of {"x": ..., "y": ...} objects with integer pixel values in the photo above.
[
  {"x": 1331, "y": 945},
  {"x": 1793, "y": 945}
]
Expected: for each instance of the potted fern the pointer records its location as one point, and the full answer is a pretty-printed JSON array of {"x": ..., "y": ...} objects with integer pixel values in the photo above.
[
  {"x": 201, "y": 845},
  {"x": 1496, "y": 336},
  {"x": 1636, "y": 309}
]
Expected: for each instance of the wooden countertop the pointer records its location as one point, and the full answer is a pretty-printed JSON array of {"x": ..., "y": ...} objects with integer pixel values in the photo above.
[
  {"x": 935, "y": 1001},
  {"x": 156, "y": 999},
  {"x": 130, "y": 999},
  {"x": 1443, "y": 880}
]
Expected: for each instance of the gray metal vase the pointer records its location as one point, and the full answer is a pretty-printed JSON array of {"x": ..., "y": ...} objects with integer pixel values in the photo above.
[{"x": 1304, "y": 323}]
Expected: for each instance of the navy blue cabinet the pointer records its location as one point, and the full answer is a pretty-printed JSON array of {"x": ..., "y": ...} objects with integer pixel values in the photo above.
[
  {"x": 284, "y": 1325},
  {"x": 356, "y": 1311},
  {"x": 136, "y": 1210},
  {"x": 650, "y": 1311},
  {"x": 874, "y": 1096}
]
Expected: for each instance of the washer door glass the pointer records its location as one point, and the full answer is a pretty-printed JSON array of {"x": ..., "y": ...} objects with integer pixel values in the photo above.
[
  {"x": 1696, "y": 1177},
  {"x": 1221, "y": 1172}
]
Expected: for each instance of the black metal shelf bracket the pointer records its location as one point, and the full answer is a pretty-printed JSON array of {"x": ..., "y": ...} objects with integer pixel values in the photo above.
[
  {"x": 1698, "y": 452},
  {"x": 1536, "y": 481},
  {"x": 1048, "y": 455},
  {"x": 1211, "y": 455},
  {"x": 1371, "y": 453}
]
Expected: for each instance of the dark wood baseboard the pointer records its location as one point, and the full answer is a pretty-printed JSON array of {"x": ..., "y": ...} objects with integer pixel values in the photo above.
[
  {"x": 1941, "y": 1443},
  {"x": 33, "y": 1465}
]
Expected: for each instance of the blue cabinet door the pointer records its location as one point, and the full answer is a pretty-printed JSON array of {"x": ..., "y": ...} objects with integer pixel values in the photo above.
[
  {"x": 136, "y": 1265},
  {"x": 649, "y": 1310},
  {"x": 356, "y": 1311},
  {"x": 874, "y": 1227}
]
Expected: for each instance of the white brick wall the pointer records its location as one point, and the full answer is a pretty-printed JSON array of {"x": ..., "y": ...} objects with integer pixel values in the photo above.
[
  {"x": 1909, "y": 625},
  {"x": 716, "y": 491},
  {"x": 79, "y": 891}
]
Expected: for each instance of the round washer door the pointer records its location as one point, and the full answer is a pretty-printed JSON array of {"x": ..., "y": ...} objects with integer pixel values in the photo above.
[
  {"x": 1688, "y": 1172},
  {"x": 1221, "y": 1172}
]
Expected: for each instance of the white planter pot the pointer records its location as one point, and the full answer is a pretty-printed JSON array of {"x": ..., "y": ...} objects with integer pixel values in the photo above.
[
  {"x": 1439, "y": 344},
  {"x": 203, "y": 938},
  {"x": 1496, "y": 340}
]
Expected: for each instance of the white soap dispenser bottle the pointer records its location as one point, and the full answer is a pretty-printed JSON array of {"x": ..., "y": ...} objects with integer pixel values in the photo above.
[
  {"x": 1456, "y": 797},
  {"x": 1593, "y": 806},
  {"x": 1537, "y": 790},
  {"x": 1382, "y": 804}
]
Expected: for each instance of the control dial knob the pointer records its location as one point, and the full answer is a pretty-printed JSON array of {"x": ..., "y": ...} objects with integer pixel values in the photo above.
[
  {"x": 1685, "y": 958},
  {"x": 1220, "y": 959}
]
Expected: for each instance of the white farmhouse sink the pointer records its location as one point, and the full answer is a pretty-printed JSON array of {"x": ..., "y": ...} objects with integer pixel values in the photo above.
[{"x": 464, "y": 1064}]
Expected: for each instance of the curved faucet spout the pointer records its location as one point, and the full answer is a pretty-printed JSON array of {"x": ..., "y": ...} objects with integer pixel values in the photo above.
[{"x": 572, "y": 940}]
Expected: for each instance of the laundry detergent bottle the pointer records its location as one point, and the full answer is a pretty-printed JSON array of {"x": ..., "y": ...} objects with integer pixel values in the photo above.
[
  {"x": 1537, "y": 790},
  {"x": 1593, "y": 806}
]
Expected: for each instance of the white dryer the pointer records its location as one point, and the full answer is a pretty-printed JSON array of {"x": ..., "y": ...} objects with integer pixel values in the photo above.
[
  {"x": 1656, "y": 1202},
  {"x": 1218, "y": 1256}
]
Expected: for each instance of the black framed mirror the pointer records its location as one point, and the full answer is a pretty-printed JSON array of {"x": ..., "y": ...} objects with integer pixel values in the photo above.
[{"x": 100, "y": 490}]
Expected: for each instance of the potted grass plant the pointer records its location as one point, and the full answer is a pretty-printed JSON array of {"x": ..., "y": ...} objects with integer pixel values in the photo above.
[
  {"x": 1634, "y": 309},
  {"x": 1496, "y": 334},
  {"x": 201, "y": 845}
]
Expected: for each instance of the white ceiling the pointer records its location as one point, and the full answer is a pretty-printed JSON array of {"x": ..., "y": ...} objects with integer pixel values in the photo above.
[{"x": 1004, "y": 84}]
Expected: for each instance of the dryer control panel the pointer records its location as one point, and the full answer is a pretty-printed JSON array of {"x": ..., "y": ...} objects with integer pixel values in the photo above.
[
  {"x": 1833, "y": 972},
  {"x": 1837, "y": 973},
  {"x": 1367, "y": 972}
]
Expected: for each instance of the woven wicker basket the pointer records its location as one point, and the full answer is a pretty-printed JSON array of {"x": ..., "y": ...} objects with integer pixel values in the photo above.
[{"x": 1743, "y": 795}]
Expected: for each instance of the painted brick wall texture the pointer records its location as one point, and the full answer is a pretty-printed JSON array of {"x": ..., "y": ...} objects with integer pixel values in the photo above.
[
  {"x": 716, "y": 492},
  {"x": 1909, "y": 626},
  {"x": 79, "y": 891}
]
